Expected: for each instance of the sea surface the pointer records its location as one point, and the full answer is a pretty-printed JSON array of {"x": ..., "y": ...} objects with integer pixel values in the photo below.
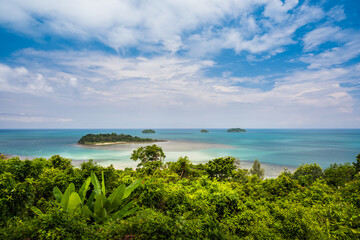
[{"x": 283, "y": 147}]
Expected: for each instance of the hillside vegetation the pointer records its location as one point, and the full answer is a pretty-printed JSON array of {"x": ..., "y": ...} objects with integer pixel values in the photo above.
[
  {"x": 50, "y": 198},
  {"x": 236, "y": 130},
  {"x": 111, "y": 137}
]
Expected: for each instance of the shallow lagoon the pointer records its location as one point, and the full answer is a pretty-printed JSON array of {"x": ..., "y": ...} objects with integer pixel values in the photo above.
[{"x": 275, "y": 148}]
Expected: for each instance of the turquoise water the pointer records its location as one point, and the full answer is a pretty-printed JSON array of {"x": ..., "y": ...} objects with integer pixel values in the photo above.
[{"x": 287, "y": 147}]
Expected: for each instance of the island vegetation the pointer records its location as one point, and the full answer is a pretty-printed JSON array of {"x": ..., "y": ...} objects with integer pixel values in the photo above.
[
  {"x": 52, "y": 199},
  {"x": 204, "y": 131},
  {"x": 148, "y": 131},
  {"x": 108, "y": 138},
  {"x": 236, "y": 130}
]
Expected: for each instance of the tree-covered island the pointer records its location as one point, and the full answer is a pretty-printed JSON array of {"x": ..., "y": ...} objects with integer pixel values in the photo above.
[
  {"x": 204, "y": 131},
  {"x": 113, "y": 138},
  {"x": 148, "y": 131},
  {"x": 236, "y": 130}
]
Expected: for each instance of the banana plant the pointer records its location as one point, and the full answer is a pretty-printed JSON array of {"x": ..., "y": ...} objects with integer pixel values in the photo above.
[
  {"x": 97, "y": 206},
  {"x": 72, "y": 201}
]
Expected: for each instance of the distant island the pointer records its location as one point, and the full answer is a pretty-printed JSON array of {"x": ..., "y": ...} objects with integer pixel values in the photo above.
[
  {"x": 204, "y": 131},
  {"x": 236, "y": 130},
  {"x": 148, "y": 131},
  {"x": 113, "y": 138}
]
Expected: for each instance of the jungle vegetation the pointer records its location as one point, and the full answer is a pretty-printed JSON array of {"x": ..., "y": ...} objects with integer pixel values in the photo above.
[
  {"x": 204, "y": 131},
  {"x": 111, "y": 137},
  {"x": 52, "y": 199},
  {"x": 236, "y": 130},
  {"x": 148, "y": 131}
]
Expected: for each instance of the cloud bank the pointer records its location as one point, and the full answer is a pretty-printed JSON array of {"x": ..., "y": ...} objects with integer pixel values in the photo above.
[{"x": 259, "y": 63}]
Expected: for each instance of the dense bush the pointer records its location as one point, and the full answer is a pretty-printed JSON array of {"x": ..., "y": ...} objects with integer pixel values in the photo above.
[
  {"x": 113, "y": 137},
  {"x": 181, "y": 200}
]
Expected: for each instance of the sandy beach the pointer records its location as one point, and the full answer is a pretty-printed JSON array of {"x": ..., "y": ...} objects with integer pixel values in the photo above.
[
  {"x": 116, "y": 143},
  {"x": 175, "y": 149},
  {"x": 167, "y": 146}
]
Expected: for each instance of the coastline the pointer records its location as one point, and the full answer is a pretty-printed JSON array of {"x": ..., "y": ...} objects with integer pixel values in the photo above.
[
  {"x": 114, "y": 143},
  {"x": 271, "y": 170}
]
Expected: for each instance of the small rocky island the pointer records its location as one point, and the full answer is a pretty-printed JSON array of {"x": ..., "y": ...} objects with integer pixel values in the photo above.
[
  {"x": 204, "y": 131},
  {"x": 113, "y": 138},
  {"x": 236, "y": 130},
  {"x": 148, "y": 131}
]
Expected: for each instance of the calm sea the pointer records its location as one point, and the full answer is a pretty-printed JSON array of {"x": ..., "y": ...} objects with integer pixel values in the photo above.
[{"x": 286, "y": 147}]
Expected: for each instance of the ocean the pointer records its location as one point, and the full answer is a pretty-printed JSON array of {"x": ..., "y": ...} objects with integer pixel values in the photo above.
[{"x": 281, "y": 147}]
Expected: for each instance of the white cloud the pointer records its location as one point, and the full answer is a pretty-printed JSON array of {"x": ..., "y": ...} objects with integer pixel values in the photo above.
[
  {"x": 26, "y": 118},
  {"x": 336, "y": 13},
  {"x": 268, "y": 35},
  {"x": 170, "y": 80},
  {"x": 173, "y": 25},
  {"x": 321, "y": 35},
  {"x": 334, "y": 56},
  {"x": 168, "y": 84},
  {"x": 20, "y": 80}
]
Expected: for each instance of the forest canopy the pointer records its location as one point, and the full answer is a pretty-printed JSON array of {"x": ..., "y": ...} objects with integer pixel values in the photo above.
[
  {"x": 52, "y": 199},
  {"x": 236, "y": 130},
  {"x": 112, "y": 137},
  {"x": 148, "y": 131}
]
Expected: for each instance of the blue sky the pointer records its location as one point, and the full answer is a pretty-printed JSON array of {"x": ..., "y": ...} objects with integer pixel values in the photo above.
[{"x": 179, "y": 64}]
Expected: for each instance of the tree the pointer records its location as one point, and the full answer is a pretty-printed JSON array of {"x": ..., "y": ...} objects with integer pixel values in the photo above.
[
  {"x": 182, "y": 167},
  {"x": 257, "y": 170},
  {"x": 307, "y": 174},
  {"x": 357, "y": 163},
  {"x": 151, "y": 157},
  {"x": 339, "y": 174},
  {"x": 221, "y": 168},
  {"x": 57, "y": 161}
]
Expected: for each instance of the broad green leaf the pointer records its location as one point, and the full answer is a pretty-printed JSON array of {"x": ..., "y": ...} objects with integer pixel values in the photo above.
[
  {"x": 57, "y": 194},
  {"x": 84, "y": 188},
  {"x": 116, "y": 197},
  {"x": 36, "y": 211},
  {"x": 99, "y": 205},
  {"x": 86, "y": 211},
  {"x": 90, "y": 201},
  {"x": 104, "y": 214},
  {"x": 74, "y": 202},
  {"x": 96, "y": 183},
  {"x": 66, "y": 196},
  {"x": 131, "y": 188},
  {"x": 122, "y": 212},
  {"x": 131, "y": 211},
  {"x": 103, "y": 183}
]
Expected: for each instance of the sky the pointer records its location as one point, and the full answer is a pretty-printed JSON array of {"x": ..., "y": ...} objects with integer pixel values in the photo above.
[{"x": 179, "y": 64}]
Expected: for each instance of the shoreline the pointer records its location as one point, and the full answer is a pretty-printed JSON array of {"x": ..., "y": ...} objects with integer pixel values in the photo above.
[
  {"x": 115, "y": 143},
  {"x": 271, "y": 170}
]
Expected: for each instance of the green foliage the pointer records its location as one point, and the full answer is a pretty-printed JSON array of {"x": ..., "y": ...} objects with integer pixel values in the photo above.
[
  {"x": 15, "y": 195},
  {"x": 182, "y": 166},
  {"x": 221, "y": 168},
  {"x": 43, "y": 199},
  {"x": 204, "y": 131},
  {"x": 308, "y": 173},
  {"x": 151, "y": 157},
  {"x": 59, "y": 162},
  {"x": 97, "y": 206},
  {"x": 236, "y": 130},
  {"x": 337, "y": 175},
  {"x": 357, "y": 163},
  {"x": 54, "y": 224},
  {"x": 148, "y": 131},
  {"x": 257, "y": 169},
  {"x": 113, "y": 137}
]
